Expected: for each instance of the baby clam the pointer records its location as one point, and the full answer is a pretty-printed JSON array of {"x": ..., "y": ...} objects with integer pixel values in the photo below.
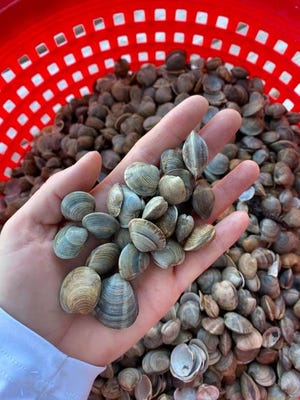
[
  {"x": 131, "y": 207},
  {"x": 289, "y": 382},
  {"x": 117, "y": 306},
  {"x": 80, "y": 291},
  {"x": 195, "y": 154},
  {"x": 172, "y": 189},
  {"x": 237, "y": 323},
  {"x": 155, "y": 208},
  {"x": 168, "y": 222},
  {"x": 114, "y": 199},
  {"x": 218, "y": 165},
  {"x": 264, "y": 375},
  {"x": 172, "y": 254},
  {"x": 128, "y": 378},
  {"x": 200, "y": 236},
  {"x": 203, "y": 200},
  {"x": 100, "y": 224},
  {"x": 145, "y": 235},
  {"x": 132, "y": 262},
  {"x": 171, "y": 159},
  {"x": 170, "y": 330},
  {"x": 156, "y": 361},
  {"x": 76, "y": 205},
  {"x": 104, "y": 258},
  {"x": 184, "y": 226},
  {"x": 207, "y": 392},
  {"x": 225, "y": 294},
  {"x": 69, "y": 241},
  {"x": 142, "y": 178}
]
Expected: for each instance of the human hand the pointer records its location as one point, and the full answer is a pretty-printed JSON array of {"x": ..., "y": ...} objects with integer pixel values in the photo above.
[{"x": 31, "y": 274}]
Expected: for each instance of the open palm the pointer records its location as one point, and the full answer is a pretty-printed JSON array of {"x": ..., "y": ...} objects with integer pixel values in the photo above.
[{"x": 31, "y": 275}]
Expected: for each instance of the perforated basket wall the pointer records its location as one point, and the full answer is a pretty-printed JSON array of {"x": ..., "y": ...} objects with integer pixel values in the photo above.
[{"x": 53, "y": 51}]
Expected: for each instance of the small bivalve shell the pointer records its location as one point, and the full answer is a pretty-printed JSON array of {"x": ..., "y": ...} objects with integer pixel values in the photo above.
[
  {"x": 172, "y": 254},
  {"x": 203, "y": 200},
  {"x": 207, "y": 392},
  {"x": 104, "y": 258},
  {"x": 170, "y": 330},
  {"x": 101, "y": 225},
  {"x": 200, "y": 236},
  {"x": 249, "y": 388},
  {"x": 215, "y": 326},
  {"x": 289, "y": 382},
  {"x": 69, "y": 241},
  {"x": 195, "y": 154},
  {"x": 132, "y": 206},
  {"x": 155, "y": 208},
  {"x": 145, "y": 235},
  {"x": 225, "y": 294},
  {"x": 172, "y": 189},
  {"x": 117, "y": 307},
  {"x": 237, "y": 323},
  {"x": 76, "y": 205},
  {"x": 142, "y": 178},
  {"x": 171, "y": 159},
  {"x": 128, "y": 378},
  {"x": 218, "y": 165},
  {"x": 156, "y": 361},
  {"x": 114, "y": 199},
  {"x": 264, "y": 375},
  {"x": 132, "y": 262},
  {"x": 184, "y": 226},
  {"x": 143, "y": 388},
  {"x": 168, "y": 222},
  {"x": 80, "y": 291}
]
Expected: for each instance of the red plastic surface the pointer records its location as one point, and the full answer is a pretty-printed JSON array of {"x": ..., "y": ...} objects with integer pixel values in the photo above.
[{"x": 53, "y": 51}]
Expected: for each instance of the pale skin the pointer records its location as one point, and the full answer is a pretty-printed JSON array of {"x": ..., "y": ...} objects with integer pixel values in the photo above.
[{"x": 31, "y": 274}]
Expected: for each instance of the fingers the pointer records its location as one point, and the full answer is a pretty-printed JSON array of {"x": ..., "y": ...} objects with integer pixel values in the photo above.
[
  {"x": 44, "y": 206},
  {"x": 228, "y": 231}
]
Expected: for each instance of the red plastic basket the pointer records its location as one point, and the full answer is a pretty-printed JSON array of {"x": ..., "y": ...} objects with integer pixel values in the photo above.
[{"x": 53, "y": 51}]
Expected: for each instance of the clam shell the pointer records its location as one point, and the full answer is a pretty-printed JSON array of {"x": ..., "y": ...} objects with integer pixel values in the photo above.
[
  {"x": 189, "y": 314},
  {"x": 145, "y": 235},
  {"x": 225, "y": 294},
  {"x": 69, "y": 241},
  {"x": 76, "y": 205},
  {"x": 132, "y": 206},
  {"x": 215, "y": 326},
  {"x": 143, "y": 388},
  {"x": 117, "y": 307},
  {"x": 249, "y": 388},
  {"x": 80, "y": 291},
  {"x": 142, "y": 178},
  {"x": 170, "y": 330},
  {"x": 218, "y": 165},
  {"x": 114, "y": 199},
  {"x": 195, "y": 154},
  {"x": 203, "y": 200},
  {"x": 132, "y": 262},
  {"x": 237, "y": 323},
  {"x": 207, "y": 392},
  {"x": 172, "y": 254},
  {"x": 200, "y": 236},
  {"x": 184, "y": 226},
  {"x": 156, "y": 361},
  {"x": 128, "y": 378},
  {"x": 171, "y": 159},
  {"x": 264, "y": 375},
  {"x": 104, "y": 258},
  {"x": 167, "y": 223},
  {"x": 155, "y": 208},
  {"x": 172, "y": 189},
  {"x": 101, "y": 225},
  {"x": 188, "y": 180}
]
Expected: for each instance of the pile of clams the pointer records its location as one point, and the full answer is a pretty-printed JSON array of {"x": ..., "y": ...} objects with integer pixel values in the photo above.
[{"x": 144, "y": 221}]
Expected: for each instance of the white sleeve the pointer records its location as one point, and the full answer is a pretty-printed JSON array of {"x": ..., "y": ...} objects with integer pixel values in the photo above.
[{"x": 32, "y": 368}]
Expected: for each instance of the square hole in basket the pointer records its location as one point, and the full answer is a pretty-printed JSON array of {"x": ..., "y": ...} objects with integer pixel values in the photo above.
[
  {"x": 60, "y": 39},
  {"x": 84, "y": 90},
  {"x": 34, "y": 130},
  {"x": 104, "y": 45},
  {"x": 42, "y": 49},
  {"x": 70, "y": 59},
  {"x": 122, "y": 40},
  {"x": 297, "y": 89},
  {"x": 86, "y": 51},
  {"x": 201, "y": 17},
  {"x": 22, "y": 92},
  {"x": 3, "y": 147},
  {"x": 98, "y": 24},
  {"x": 143, "y": 56},
  {"x": 242, "y": 28},
  {"x": 79, "y": 30},
  {"x": 269, "y": 66},
  {"x": 77, "y": 76},
  {"x": 48, "y": 94},
  {"x": 222, "y": 22},
  {"x": 141, "y": 37},
  {"x": 179, "y": 37},
  {"x": 62, "y": 84},
  {"x": 45, "y": 119},
  {"x": 198, "y": 40},
  {"x": 216, "y": 44},
  {"x": 8, "y": 75},
  {"x": 109, "y": 62},
  {"x": 119, "y": 19},
  {"x": 160, "y": 14},
  {"x": 15, "y": 157},
  {"x": 160, "y": 36},
  {"x": 252, "y": 57},
  {"x": 34, "y": 106},
  {"x": 7, "y": 172},
  {"x": 139, "y": 15},
  {"x": 280, "y": 46},
  {"x": 24, "y": 61},
  {"x": 11, "y": 133},
  {"x": 285, "y": 77},
  {"x": 22, "y": 119},
  {"x": 53, "y": 69},
  {"x": 160, "y": 55},
  {"x": 288, "y": 104},
  {"x": 262, "y": 36},
  {"x": 181, "y": 15},
  {"x": 234, "y": 49},
  {"x": 93, "y": 69},
  {"x": 56, "y": 107},
  {"x": 9, "y": 105},
  {"x": 37, "y": 79},
  {"x": 296, "y": 58}
]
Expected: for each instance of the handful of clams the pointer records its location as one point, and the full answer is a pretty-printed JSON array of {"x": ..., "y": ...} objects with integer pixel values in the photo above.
[{"x": 145, "y": 219}]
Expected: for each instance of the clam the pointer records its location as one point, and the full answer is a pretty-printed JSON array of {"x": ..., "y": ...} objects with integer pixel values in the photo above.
[
  {"x": 145, "y": 235},
  {"x": 143, "y": 388},
  {"x": 200, "y": 236},
  {"x": 104, "y": 258},
  {"x": 132, "y": 206},
  {"x": 225, "y": 294},
  {"x": 114, "y": 199},
  {"x": 215, "y": 326},
  {"x": 156, "y": 361},
  {"x": 170, "y": 330},
  {"x": 249, "y": 388},
  {"x": 184, "y": 393},
  {"x": 203, "y": 199},
  {"x": 76, "y": 205},
  {"x": 172, "y": 254},
  {"x": 80, "y": 291},
  {"x": 233, "y": 275},
  {"x": 128, "y": 378},
  {"x": 210, "y": 306},
  {"x": 207, "y": 279},
  {"x": 168, "y": 222},
  {"x": 195, "y": 154},
  {"x": 275, "y": 393},
  {"x": 69, "y": 241},
  {"x": 264, "y": 375},
  {"x": 207, "y": 392},
  {"x": 117, "y": 306},
  {"x": 132, "y": 262},
  {"x": 153, "y": 337},
  {"x": 294, "y": 354},
  {"x": 289, "y": 382},
  {"x": 247, "y": 265},
  {"x": 155, "y": 208},
  {"x": 225, "y": 343},
  {"x": 184, "y": 226},
  {"x": 101, "y": 225},
  {"x": 172, "y": 189},
  {"x": 218, "y": 165},
  {"x": 142, "y": 178},
  {"x": 189, "y": 314},
  {"x": 258, "y": 319},
  {"x": 171, "y": 159},
  {"x": 237, "y": 323}
]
